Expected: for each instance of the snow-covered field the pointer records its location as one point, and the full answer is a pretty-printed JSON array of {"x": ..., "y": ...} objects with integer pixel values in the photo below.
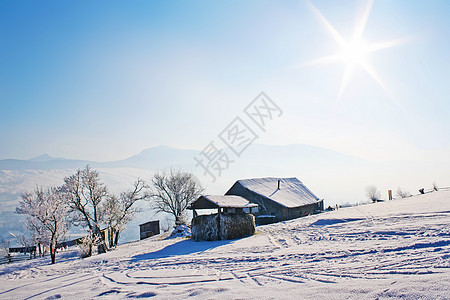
[{"x": 396, "y": 249}]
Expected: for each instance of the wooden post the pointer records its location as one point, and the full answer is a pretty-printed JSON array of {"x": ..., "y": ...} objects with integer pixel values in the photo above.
[
  {"x": 390, "y": 194},
  {"x": 218, "y": 226}
]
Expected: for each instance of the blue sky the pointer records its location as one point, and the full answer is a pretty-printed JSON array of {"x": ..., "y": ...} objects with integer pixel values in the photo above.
[{"x": 103, "y": 80}]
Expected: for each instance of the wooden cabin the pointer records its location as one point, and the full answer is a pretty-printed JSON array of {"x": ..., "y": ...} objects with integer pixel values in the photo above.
[{"x": 278, "y": 199}]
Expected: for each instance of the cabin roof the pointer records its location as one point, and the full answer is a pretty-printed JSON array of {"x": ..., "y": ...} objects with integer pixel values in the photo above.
[
  {"x": 292, "y": 192},
  {"x": 149, "y": 222},
  {"x": 218, "y": 201}
]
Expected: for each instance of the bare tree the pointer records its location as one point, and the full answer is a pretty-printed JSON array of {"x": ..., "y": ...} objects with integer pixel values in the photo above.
[
  {"x": 85, "y": 192},
  {"x": 403, "y": 194},
  {"x": 173, "y": 192},
  {"x": 118, "y": 211},
  {"x": 435, "y": 186},
  {"x": 373, "y": 193},
  {"x": 47, "y": 208}
]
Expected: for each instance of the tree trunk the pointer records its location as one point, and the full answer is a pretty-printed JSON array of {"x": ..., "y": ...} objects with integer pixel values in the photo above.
[
  {"x": 110, "y": 237},
  {"x": 101, "y": 247},
  {"x": 116, "y": 238},
  {"x": 53, "y": 252},
  {"x": 179, "y": 220}
]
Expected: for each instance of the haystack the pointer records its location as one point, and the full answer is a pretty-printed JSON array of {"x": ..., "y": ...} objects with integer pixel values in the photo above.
[{"x": 222, "y": 226}]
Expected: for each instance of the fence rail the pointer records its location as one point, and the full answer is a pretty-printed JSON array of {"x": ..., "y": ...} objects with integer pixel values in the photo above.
[{"x": 14, "y": 258}]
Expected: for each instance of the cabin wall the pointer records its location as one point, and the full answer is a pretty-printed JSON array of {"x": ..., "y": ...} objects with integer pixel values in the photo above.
[
  {"x": 271, "y": 208},
  {"x": 149, "y": 229},
  {"x": 283, "y": 213},
  {"x": 319, "y": 205},
  {"x": 300, "y": 211}
]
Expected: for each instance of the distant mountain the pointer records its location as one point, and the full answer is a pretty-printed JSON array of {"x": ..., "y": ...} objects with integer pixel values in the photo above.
[
  {"x": 160, "y": 157},
  {"x": 42, "y": 162},
  {"x": 16, "y": 164},
  {"x": 155, "y": 158},
  {"x": 42, "y": 158},
  {"x": 163, "y": 157}
]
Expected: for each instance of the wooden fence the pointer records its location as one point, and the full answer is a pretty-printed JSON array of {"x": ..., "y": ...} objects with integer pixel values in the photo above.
[{"x": 15, "y": 258}]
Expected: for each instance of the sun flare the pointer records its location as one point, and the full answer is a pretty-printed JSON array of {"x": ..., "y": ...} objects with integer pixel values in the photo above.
[{"x": 353, "y": 52}]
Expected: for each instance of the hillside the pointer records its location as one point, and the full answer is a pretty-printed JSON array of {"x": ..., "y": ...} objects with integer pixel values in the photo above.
[{"x": 396, "y": 249}]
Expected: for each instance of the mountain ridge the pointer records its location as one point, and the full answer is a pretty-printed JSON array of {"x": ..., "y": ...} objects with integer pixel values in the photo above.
[{"x": 161, "y": 156}]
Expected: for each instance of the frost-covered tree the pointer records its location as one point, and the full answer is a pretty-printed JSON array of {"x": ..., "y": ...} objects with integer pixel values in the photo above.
[
  {"x": 27, "y": 241},
  {"x": 46, "y": 211},
  {"x": 119, "y": 210},
  {"x": 373, "y": 193},
  {"x": 4, "y": 247},
  {"x": 173, "y": 191},
  {"x": 85, "y": 192},
  {"x": 39, "y": 234}
]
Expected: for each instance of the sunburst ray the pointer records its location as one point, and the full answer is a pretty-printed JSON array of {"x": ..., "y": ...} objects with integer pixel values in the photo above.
[
  {"x": 344, "y": 82},
  {"x": 354, "y": 52},
  {"x": 361, "y": 26},
  {"x": 331, "y": 30}
]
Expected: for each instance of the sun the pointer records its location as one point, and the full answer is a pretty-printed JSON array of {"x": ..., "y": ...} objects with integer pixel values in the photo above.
[{"x": 353, "y": 52}]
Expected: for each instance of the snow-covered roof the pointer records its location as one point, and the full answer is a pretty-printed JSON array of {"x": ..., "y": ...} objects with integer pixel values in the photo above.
[
  {"x": 292, "y": 192},
  {"x": 221, "y": 201}
]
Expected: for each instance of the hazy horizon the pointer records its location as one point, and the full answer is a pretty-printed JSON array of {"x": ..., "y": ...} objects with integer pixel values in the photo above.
[{"x": 44, "y": 155}]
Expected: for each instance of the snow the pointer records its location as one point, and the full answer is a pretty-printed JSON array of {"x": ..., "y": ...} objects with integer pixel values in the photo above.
[
  {"x": 229, "y": 201},
  {"x": 392, "y": 250},
  {"x": 292, "y": 192},
  {"x": 181, "y": 231}
]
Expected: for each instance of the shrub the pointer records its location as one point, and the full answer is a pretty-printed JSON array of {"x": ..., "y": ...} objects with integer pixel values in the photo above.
[{"x": 86, "y": 245}]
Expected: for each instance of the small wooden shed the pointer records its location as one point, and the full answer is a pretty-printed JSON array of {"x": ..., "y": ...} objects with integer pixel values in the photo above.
[
  {"x": 230, "y": 222},
  {"x": 223, "y": 204},
  {"x": 149, "y": 229}
]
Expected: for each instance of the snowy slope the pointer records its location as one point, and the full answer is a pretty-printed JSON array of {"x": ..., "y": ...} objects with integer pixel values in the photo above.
[{"x": 397, "y": 249}]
